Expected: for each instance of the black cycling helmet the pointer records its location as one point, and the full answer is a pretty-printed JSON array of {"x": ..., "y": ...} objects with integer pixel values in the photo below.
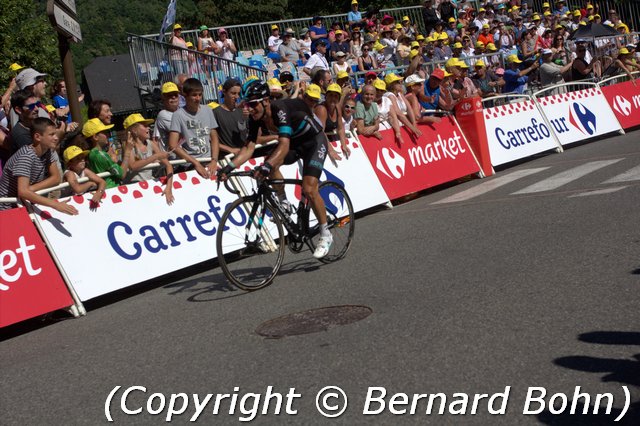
[{"x": 255, "y": 90}]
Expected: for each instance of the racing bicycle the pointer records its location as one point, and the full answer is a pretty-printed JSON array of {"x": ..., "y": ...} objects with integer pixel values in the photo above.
[{"x": 255, "y": 229}]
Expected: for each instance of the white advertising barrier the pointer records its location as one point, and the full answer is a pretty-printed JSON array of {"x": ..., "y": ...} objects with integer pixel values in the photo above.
[
  {"x": 517, "y": 130},
  {"x": 579, "y": 115},
  {"x": 135, "y": 236}
]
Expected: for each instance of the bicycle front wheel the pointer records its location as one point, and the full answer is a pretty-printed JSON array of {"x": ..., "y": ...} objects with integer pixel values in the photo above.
[
  {"x": 340, "y": 218},
  {"x": 250, "y": 244}
]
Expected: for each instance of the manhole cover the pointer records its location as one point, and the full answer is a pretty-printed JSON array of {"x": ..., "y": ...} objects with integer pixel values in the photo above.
[{"x": 312, "y": 321}]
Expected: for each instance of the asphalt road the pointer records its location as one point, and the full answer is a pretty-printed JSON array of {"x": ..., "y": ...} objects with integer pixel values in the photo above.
[{"x": 483, "y": 287}]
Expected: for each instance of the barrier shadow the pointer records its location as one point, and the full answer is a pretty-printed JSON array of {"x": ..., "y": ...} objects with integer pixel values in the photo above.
[{"x": 622, "y": 371}]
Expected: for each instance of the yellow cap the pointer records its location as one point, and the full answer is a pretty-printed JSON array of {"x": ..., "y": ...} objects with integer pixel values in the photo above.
[
  {"x": 420, "y": 37},
  {"x": 15, "y": 67},
  {"x": 413, "y": 53},
  {"x": 134, "y": 119},
  {"x": 274, "y": 27},
  {"x": 589, "y": 6},
  {"x": 590, "y": 19},
  {"x": 378, "y": 46},
  {"x": 479, "y": 44},
  {"x": 447, "y": 74},
  {"x": 485, "y": 26},
  {"x": 462, "y": 64},
  {"x": 177, "y": 27},
  {"x": 443, "y": 36},
  {"x": 623, "y": 51},
  {"x": 93, "y": 127},
  {"x": 545, "y": 4},
  {"x": 354, "y": 1},
  {"x": 398, "y": 26},
  {"x": 452, "y": 20},
  {"x": 514, "y": 8},
  {"x": 547, "y": 13},
  {"x": 457, "y": 45},
  {"x": 577, "y": 13},
  {"x": 379, "y": 84},
  {"x": 189, "y": 44},
  {"x": 274, "y": 83},
  {"x": 415, "y": 44},
  {"x": 405, "y": 18},
  {"x": 535, "y": 17},
  {"x": 582, "y": 23},
  {"x": 480, "y": 63},
  {"x": 513, "y": 59},
  {"x": 334, "y": 87},
  {"x": 213, "y": 105},
  {"x": 342, "y": 74},
  {"x": 170, "y": 87},
  {"x": 492, "y": 47},
  {"x": 50, "y": 108},
  {"x": 391, "y": 78},
  {"x": 452, "y": 62},
  {"x": 72, "y": 152},
  {"x": 482, "y": 9},
  {"x": 313, "y": 91}
]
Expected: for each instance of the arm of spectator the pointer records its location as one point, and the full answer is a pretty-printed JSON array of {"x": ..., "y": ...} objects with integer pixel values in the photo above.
[
  {"x": 99, "y": 183},
  {"x": 174, "y": 140},
  {"x": 366, "y": 130},
  {"x": 7, "y": 94},
  {"x": 215, "y": 150},
  {"x": 526, "y": 71},
  {"x": 232, "y": 47},
  {"x": 168, "y": 167},
  {"x": 200, "y": 48},
  {"x": 403, "y": 118},
  {"x": 342, "y": 135},
  {"x": 53, "y": 179},
  {"x": 25, "y": 193},
  {"x": 158, "y": 156},
  {"x": 79, "y": 188}
]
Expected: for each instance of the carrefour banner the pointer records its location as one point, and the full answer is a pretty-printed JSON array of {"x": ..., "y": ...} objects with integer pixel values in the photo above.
[
  {"x": 579, "y": 115},
  {"x": 135, "y": 236},
  {"x": 30, "y": 284},
  {"x": 516, "y": 131},
  {"x": 624, "y": 99},
  {"x": 440, "y": 155}
]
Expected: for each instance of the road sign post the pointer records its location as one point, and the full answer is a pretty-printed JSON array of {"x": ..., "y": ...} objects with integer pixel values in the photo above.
[{"x": 62, "y": 14}]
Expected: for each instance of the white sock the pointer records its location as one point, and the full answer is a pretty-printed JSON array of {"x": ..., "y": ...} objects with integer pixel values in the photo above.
[{"x": 324, "y": 230}]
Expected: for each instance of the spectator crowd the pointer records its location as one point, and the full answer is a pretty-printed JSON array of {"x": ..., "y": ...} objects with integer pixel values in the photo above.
[{"x": 366, "y": 74}]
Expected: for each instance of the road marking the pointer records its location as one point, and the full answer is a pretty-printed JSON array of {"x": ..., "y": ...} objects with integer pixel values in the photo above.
[
  {"x": 566, "y": 177},
  {"x": 489, "y": 185},
  {"x": 628, "y": 176},
  {"x": 599, "y": 191}
]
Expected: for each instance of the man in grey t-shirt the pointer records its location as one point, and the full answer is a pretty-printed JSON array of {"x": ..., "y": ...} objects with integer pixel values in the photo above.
[
  {"x": 551, "y": 73},
  {"x": 193, "y": 132}
]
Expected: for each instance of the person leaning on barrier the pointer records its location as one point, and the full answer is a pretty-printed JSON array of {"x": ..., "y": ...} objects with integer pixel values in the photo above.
[
  {"x": 551, "y": 73},
  {"x": 622, "y": 64},
  {"x": 193, "y": 132},
  {"x": 101, "y": 157},
  {"x": 75, "y": 160},
  {"x": 483, "y": 80},
  {"x": 330, "y": 115},
  {"x": 366, "y": 115},
  {"x": 145, "y": 151},
  {"x": 582, "y": 69},
  {"x": 414, "y": 88},
  {"x": 399, "y": 103},
  {"x": 170, "y": 100},
  {"x": 34, "y": 167},
  {"x": 515, "y": 78}
]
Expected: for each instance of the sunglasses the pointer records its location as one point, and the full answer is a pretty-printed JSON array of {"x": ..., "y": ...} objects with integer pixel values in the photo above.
[
  {"x": 30, "y": 107},
  {"x": 349, "y": 107},
  {"x": 253, "y": 104}
]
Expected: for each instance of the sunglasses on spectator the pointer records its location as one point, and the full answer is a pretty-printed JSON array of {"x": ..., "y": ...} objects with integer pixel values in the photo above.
[
  {"x": 349, "y": 107},
  {"x": 30, "y": 107}
]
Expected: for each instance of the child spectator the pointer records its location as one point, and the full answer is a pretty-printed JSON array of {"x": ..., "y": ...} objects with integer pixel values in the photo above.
[
  {"x": 145, "y": 151},
  {"x": 193, "y": 130},
  {"x": 101, "y": 158},
  {"x": 75, "y": 160},
  {"x": 366, "y": 115},
  {"x": 34, "y": 167}
]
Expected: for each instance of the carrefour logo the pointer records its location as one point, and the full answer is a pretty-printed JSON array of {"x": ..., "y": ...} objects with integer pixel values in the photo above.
[
  {"x": 582, "y": 118},
  {"x": 390, "y": 163},
  {"x": 622, "y": 105}
]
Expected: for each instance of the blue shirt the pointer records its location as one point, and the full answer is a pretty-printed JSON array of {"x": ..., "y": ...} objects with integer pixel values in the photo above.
[
  {"x": 61, "y": 102},
  {"x": 514, "y": 83},
  {"x": 428, "y": 92},
  {"x": 354, "y": 16}
]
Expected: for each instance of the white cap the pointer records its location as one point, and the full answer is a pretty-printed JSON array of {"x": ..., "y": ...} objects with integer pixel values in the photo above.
[
  {"x": 413, "y": 79},
  {"x": 27, "y": 77},
  {"x": 547, "y": 51}
]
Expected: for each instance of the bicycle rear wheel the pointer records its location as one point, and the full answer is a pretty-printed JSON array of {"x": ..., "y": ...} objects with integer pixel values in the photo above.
[
  {"x": 250, "y": 244},
  {"x": 340, "y": 218}
]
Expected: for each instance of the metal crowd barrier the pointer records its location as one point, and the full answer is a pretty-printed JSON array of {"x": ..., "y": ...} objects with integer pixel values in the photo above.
[
  {"x": 255, "y": 36},
  {"x": 157, "y": 62}
]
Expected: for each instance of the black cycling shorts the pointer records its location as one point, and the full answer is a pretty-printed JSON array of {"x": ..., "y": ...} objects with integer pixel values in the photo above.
[{"x": 313, "y": 152}]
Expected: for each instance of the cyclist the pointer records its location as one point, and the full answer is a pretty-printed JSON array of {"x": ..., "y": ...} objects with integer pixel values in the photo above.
[{"x": 300, "y": 135}]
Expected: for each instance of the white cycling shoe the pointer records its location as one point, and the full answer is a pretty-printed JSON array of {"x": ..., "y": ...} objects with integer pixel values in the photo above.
[{"x": 322, "y": 249}]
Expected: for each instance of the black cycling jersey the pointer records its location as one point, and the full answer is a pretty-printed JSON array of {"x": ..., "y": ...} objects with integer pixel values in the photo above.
[{"x": 294, "y": 120}]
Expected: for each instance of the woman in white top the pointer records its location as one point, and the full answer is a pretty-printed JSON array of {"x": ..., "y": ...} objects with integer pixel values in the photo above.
[
  {"x": 142, "y": 151},
  {"x": 404, "y": 112},
  {"x": 205, "y": 41},
  {"x": 226, "y": 48},
  {"x": 386, "y": 111},
  {"x": 356, "y": 43},
  {"x": 304, "y": 42}
]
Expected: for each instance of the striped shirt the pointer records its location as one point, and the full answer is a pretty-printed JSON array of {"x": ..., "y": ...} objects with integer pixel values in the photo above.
[{"x": 24, "y": 163}]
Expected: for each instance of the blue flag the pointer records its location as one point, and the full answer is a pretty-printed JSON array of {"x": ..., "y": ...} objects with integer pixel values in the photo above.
[{"x": 169, "y": 18}]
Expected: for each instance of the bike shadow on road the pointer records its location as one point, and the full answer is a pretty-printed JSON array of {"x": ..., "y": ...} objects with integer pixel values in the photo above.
[{"x": 623, "y": 371}]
